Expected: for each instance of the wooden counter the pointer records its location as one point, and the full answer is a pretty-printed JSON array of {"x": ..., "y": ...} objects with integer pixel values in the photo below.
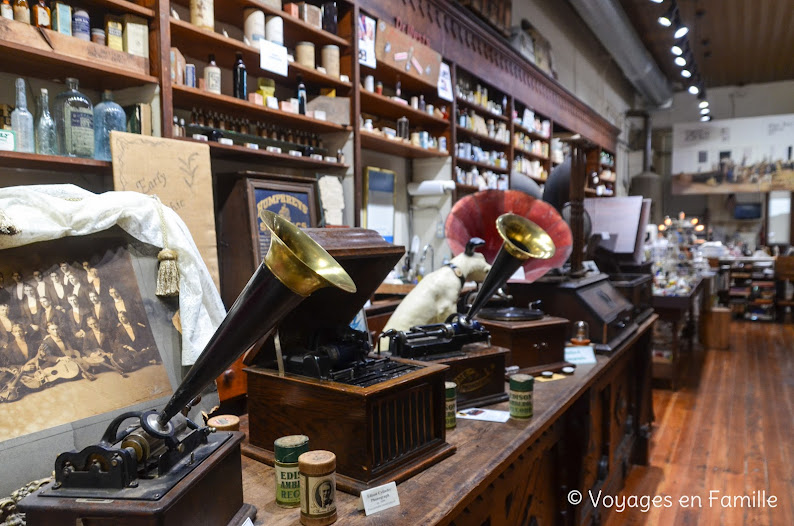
[{"x": 585, "y": 431}]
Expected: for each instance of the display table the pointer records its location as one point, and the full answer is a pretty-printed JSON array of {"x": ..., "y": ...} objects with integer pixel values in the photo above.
[
  {"x": 585, "y": 431},
  {"x": 678, "y": 311}
]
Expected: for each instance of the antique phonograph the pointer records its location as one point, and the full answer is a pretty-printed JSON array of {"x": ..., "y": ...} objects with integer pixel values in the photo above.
[
  {"x": 316, "y": 376},
  {"x": 574, "y": 295},
  {"x": 534, "y": 237},
  {"x": 161, "y": 468}
]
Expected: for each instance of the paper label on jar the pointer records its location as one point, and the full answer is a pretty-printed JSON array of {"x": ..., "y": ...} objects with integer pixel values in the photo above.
[
  {"x": 451, "y": 411},
  {"x": 287, "y": 485},
  {"x": 22, "y": 14},
  {"x": 42, "y": 16},
  {"x": 521, "y": 404},
  {"x": 318, "y": 495},
  {"x": 79, "y": 132}
]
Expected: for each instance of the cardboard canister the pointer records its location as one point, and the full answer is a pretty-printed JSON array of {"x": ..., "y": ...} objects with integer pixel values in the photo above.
[
  {"x": 304, "y": 54},
  {"x": 330, "y": 60},
  {"x": 274, "y": 30},
  {"x": 254, "y": 25}
]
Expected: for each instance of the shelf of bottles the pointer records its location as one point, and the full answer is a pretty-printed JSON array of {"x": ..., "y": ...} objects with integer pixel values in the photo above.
[
  {"x": 260, "y": 112},
  {"x": 75, "y": 129},
  {"x": 105, "y": 43},
  {"x": 601, "y": 175},
  {"x": 402, "y": 115},
  {"x": 482, "y": 134},
  {"x": 531, "y": 143}
]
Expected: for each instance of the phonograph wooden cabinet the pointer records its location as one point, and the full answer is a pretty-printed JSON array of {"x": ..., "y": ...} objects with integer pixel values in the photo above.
[{"x": 383, "y": 418}]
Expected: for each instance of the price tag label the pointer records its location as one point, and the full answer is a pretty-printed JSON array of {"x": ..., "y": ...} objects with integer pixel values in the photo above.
[
  {"x": 380, "y": 498},
  {"x": 273, "y": 57}
]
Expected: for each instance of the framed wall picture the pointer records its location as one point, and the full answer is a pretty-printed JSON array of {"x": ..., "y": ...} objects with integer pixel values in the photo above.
[
  {"x": 378, "y": 209},
  {"x": 295, "y": 201}
]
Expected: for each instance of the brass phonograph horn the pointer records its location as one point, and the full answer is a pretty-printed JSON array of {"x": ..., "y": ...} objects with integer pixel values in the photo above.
[
  {"x": 523, "y": 239},
  {"x": 294, "y": 267}
]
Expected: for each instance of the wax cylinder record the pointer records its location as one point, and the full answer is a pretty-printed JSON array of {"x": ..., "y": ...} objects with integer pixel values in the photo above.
[
  {"x": 286, "y": 452},
  {"x": 521, "y": 387},
  {"x": 317, "y": 488},
  {"x": 451, "y": 404}
]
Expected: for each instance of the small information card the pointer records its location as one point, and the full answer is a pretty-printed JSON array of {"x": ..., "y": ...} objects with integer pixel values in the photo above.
[
  {"x": 489, "y": 415},
  {"x": 273, "y": 57},
  {"x": 380, "y": 498},
  {"x": 580, "y": 355}
]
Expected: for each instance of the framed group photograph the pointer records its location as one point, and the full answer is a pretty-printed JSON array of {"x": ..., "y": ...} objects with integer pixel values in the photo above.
[{"x": 77, "y": 334}]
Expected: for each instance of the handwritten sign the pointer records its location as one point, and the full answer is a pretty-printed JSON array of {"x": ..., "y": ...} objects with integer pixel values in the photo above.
[
  {"x": 380, "y": 498},
  {"x": 179, "y": 173}
]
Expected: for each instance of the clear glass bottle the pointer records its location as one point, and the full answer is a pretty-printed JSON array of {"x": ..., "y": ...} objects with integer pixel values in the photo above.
[
  {"x": 45, "y": 127},
  {"x": 74, "y": 122},
  {"x": 108, "y": 116},
  {"x": 22, "y": 121}
]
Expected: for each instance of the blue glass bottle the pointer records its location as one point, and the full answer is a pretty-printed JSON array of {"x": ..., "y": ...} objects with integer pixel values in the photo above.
[{"x": 108, "y": 116}]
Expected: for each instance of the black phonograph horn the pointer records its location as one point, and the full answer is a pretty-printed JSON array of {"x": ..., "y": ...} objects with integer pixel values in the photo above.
[
  {"x": 295, "y": 266},
  {"x": 523, "y": 239}
]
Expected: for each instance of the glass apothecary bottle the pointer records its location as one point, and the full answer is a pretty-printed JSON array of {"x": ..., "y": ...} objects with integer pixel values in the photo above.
[
  {"x": 74, "y": 122},
  {"x": 22, "y": 120},
  {"x": 46, "y": 142},
  {"x": 108, "y": 116}
]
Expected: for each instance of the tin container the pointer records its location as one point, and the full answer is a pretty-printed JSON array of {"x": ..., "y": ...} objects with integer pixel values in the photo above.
[
  {"x": 304, "y": 54},
  {"x": 254, "y": 25},
  {"x": 286, "y": 452},
  {"x": 451, "y": 405},
  {"x": 190, "y": 75},
  {"x": 317, "y": 488},
  {"x": 521, "y": 389},
  {"x": 274, "y": 30},
  {"x": 330, "y": 60}
]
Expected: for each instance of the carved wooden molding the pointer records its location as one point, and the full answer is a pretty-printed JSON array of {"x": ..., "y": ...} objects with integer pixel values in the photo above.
[{"x": 462, "y": 40}]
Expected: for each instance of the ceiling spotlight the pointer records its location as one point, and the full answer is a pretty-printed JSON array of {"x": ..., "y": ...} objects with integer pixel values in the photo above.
[
  {"x": 705, "y": 118},
  {"x": 680, "y": 30},
  {"x": 680, "y": 61},
  {"x": 686, "y": 73},
  {"x": 705, "y": 111},
  {"x": 676, "y": 50},
  {"x": 694, "y": 90},
  {"x": 667, "y": 18},
  {"x": 703, "y": 104},
  {"x": 700, "y": 228},
  {"x": 657, "y": 1}
]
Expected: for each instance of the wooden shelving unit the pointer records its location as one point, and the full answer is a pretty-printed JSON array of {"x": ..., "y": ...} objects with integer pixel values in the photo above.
[
  {"x": 483, "y": 166},
  {"x": 236, "y": 152},
  {"x": 480, "y": 110},
  {"x": 187, "y": 97},
  {"x": 381, "y": 144},
  {"x": 387, "y": 107},
  {"x": 54, "y": 163},
  {"x": 33, "y": 57}
]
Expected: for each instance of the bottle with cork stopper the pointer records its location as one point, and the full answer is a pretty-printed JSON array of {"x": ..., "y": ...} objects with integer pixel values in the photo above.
[{"x": 317, "y": 488}]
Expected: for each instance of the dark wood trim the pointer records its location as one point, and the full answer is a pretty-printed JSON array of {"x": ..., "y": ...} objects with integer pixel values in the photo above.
[{"x": 160, "y": 57}]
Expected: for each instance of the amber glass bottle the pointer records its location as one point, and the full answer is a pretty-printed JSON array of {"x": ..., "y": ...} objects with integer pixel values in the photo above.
[
  {"x": 41, "y": 15},
  {"x": 21, "y": 11}
]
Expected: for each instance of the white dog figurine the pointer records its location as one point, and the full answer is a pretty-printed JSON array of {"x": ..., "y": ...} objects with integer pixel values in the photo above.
[{"x": 435, "y": 298}]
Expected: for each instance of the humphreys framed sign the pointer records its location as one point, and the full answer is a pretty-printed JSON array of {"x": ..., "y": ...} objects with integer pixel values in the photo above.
[{"x": 294, "y": 201}]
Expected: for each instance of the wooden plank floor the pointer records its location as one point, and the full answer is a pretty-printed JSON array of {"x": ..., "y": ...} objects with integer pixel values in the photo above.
[{"x": 728, "y": 432}]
